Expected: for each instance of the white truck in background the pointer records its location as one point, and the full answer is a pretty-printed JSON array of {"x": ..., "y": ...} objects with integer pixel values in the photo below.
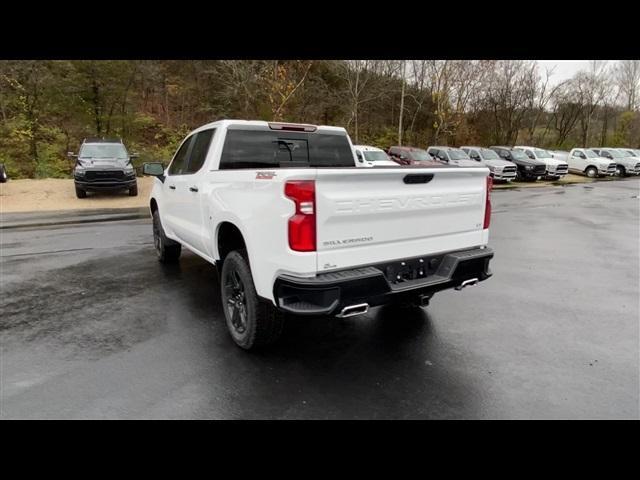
[
  {"x": 589, "y": 163},
  {"x": 294, "y": 227}
]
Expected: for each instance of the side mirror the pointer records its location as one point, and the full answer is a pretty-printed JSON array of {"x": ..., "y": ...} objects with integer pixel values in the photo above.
[
  {"x": 582, "y": 155},
  {"x": 134, "y": 155},
  {"x": 154, "y": 169},
  {"x": 71, "y": 155}
]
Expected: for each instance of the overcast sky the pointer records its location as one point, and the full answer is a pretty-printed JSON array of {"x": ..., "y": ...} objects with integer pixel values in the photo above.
[{"x": 564, "y": 69}]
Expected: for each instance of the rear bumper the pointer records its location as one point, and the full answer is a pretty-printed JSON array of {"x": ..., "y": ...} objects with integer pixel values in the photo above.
[
  {"x": 406, "y": 280},
  {"x": 108, "y": 185}
]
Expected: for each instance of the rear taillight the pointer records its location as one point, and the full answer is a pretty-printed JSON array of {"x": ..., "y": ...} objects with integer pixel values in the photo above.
[
  {"x": 487, "y": 204},
  {"x": 302, "y": 225}
]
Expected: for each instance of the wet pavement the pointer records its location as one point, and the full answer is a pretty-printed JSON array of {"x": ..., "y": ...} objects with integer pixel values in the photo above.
[{"x": 94, "y": 327}]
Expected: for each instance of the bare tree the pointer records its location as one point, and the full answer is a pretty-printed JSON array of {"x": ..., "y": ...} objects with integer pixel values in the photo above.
[
  {"x": 540, "y": 94},
  {"x": 401, "y": 103},
  {"x": 627, "y": 76},
  {"x": 592, "y": 86},
  {"x": 359, "y": 75},
  {"x": 568, "y": 105}
]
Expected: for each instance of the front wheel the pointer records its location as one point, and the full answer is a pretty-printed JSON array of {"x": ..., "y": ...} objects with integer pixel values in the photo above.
[
  {"x": 133, "y": 191},
  {"x": 620, "y": 171},
  {"x": 81, "y": 193},
  {"x": 251, "y": 321},
  {"x": 591, "y": 172}
]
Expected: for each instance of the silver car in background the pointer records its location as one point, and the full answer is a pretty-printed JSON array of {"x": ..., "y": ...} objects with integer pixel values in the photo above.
[{"x": 500, "y": 169}]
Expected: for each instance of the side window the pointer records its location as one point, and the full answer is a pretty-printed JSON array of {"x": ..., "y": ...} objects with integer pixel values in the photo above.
[
  {"x": 530, "y": 154},
  {"x": 199, "y": 150},
  {"x": 179, "y": 163}
]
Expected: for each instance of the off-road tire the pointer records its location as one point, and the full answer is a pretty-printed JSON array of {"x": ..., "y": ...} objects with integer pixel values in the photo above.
[{"x": 263, "y": 323}]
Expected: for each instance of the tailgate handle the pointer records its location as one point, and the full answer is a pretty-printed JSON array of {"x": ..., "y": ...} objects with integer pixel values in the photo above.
[{"x": 418, "y": 178}]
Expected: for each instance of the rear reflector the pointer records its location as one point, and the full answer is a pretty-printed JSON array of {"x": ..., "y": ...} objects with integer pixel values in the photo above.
[
  {"x": 487, "y": 207},
  {"x": 302, "y": 225},
  {"x": 292, "y": 127}
]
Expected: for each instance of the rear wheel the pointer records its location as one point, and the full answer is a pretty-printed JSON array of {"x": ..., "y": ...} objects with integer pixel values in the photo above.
[
  {"x": 133, "y": 191},
  {"x": 252, "y": 322},
  {"x": 81, "y": 193},
  {"x": 591, "y": 172},
  {"x": 168, "y": 250}
]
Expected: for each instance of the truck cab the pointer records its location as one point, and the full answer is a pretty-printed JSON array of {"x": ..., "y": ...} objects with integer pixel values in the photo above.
[
  {"x": 587, "y": 162},
  {"x": 555, "y": 168}
]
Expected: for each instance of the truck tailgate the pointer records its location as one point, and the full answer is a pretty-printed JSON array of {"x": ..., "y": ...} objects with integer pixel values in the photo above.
[{"x": 366, "y": 216}]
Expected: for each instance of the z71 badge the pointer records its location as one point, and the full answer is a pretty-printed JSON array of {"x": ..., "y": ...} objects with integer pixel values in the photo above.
[{"x": 265, "y": 175}]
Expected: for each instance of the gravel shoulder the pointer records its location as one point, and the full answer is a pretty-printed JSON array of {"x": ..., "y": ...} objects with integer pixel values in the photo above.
[{"x": 59, "y": 194}]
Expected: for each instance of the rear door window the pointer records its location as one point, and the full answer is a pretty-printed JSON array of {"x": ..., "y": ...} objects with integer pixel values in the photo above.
[{"x": 282, "y": 149}]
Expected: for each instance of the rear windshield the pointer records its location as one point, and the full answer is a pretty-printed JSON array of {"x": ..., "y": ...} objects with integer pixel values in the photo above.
[
  {"x": 103, "y": 150},
  {"x": 375, "y": 155},
  {"x": 282, "y": 149}
]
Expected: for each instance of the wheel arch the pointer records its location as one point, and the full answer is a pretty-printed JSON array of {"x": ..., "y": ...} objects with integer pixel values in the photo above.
[
  {"x": 228, "y": 237},
  {"x": 153, "y": 205}
]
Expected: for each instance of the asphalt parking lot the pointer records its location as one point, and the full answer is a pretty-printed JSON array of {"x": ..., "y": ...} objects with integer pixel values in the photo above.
[{"x": 94, "y": 327}]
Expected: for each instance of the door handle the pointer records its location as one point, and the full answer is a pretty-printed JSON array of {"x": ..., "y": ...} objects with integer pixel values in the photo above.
[
  {"x": 193, "y": 189},
  {"x": 172, "y": 187}
]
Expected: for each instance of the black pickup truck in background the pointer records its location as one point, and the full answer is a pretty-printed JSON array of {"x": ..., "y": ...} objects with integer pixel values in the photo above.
[
  {"x": 104, "y": 165},
  {"x": 528, "y": 168}
]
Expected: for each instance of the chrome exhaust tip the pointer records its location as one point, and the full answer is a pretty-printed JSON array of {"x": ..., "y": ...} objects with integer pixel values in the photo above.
[
  {"x": 423, "y": 301},
  {"x": 353, "y": 310},
  {"x": 467, "y": 283}
]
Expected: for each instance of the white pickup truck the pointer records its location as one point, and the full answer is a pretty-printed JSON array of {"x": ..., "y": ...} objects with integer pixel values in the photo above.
[{"x": 294, "y": 226}]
